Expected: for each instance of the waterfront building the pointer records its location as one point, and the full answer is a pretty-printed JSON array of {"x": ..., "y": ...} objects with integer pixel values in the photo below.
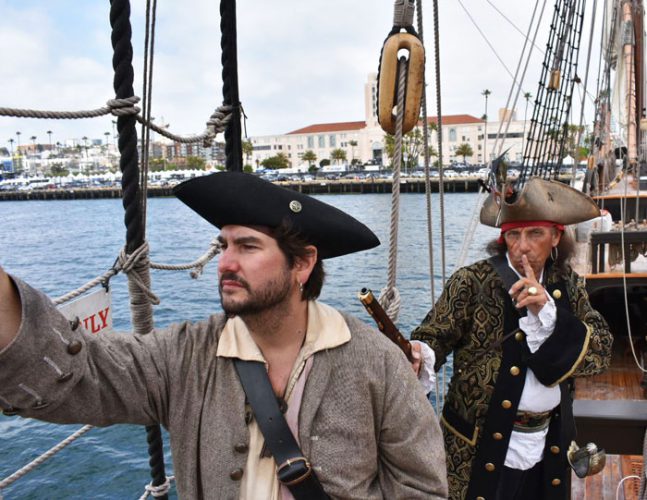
[{"x": 363, "y": 141}]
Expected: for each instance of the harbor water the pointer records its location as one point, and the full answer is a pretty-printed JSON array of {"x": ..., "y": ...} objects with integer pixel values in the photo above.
[{"x": 59, "y": 245}]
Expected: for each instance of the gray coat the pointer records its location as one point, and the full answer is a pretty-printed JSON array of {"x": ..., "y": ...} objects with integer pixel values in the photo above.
[{"x": 365, "y": 423}]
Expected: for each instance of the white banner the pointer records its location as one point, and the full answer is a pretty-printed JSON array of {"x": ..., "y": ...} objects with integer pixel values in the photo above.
[{"x": 93, "y": 310}]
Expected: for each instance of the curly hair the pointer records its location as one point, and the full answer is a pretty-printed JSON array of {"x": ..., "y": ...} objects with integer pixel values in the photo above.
[{"x": 293, "y": 245}]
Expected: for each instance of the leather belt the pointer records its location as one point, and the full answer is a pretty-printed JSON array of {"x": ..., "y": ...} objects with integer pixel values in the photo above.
[{"x": 529, "y": 421}]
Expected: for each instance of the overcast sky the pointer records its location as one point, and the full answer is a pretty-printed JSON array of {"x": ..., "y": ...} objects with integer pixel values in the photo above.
[{"x": 300, "y": 62}]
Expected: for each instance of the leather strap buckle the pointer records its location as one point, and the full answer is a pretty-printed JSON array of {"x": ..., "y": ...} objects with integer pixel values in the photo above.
[{"x": 294, "y": 471}]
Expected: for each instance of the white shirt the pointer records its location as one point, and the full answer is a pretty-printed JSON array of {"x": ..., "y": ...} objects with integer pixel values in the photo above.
[{"x": 525, "y": 448}]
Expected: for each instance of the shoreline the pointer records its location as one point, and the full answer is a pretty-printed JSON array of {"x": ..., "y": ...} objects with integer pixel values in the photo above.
[{"x": 323, "y": 186}]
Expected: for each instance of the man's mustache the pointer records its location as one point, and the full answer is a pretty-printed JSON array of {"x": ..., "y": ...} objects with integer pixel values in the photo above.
[{"x": 233, "y": 277}]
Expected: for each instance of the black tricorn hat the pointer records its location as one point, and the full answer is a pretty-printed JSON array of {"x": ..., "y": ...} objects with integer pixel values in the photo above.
[{"x": 237, "y": 198}]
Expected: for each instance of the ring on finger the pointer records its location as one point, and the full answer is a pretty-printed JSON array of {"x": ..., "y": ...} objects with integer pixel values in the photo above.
[{"x": 532, "y": 290}]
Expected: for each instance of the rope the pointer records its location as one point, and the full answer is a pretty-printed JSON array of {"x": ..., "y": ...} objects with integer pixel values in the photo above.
[
  {"x": 500, "y": 138},
  {"x": 137, "y": 261},
  {"x": 100, "y": 280},
  {"x": 441, "y": 185},
  {"x": 586, "y": 81},
  {"x": 198, "y": 264},
  {"x": 158, "y": 491},
  {"x": 136, "y": 265},
  {"x": 403, "y": 11},
  {"x": 389, "y": 296},
  {"x": 228, "y": 43},
  {"x": 425, "y": 134},
  {"x": 116, "y": 107},
  {"x": 147, "y": 92},
  {"x": 48, "y": 454},
  {"x": 216, "y": 123}
]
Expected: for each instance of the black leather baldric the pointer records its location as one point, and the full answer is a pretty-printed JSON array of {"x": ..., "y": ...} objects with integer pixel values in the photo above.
[{"x": 293, "y": 469}]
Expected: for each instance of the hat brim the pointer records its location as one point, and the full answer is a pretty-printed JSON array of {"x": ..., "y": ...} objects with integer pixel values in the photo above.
[
  {"x": 234, "y": 198},
  {"x": 541, "y": 199}
]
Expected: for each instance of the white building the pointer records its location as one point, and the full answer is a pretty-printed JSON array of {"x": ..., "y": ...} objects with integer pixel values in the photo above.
[{"x": 363, "y": 141}]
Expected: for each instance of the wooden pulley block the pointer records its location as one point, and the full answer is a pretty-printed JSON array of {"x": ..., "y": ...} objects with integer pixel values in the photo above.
[
  {"x": 555, "y": 77},
  {"x": 388, "y": 82}
]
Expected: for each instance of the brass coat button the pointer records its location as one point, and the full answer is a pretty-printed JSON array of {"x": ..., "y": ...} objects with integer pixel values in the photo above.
[
  {"x": 514, "y": 371},
  {"x": 236, "y": 474},
  {"x": 489, "y": 467},
  {"x": 554, "y": 450},
  {"x": 497, "y": 436},
  {"x": 557, "y": 294},
  {"x": 74, "y": 347},
  {"x": 555, "y": 482},
  {"x": 241, "y": 448},
  {"x": 519, "y": 336},
  {"x": 506, "y": 404},
  {"x": 480, "y": 498}
]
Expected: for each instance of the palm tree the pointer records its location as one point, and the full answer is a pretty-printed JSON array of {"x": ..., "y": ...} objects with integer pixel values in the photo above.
[
  {"x": 248, "y": 149},
  {"x": 338, "y": 154},
  {"x": 353, "y": 145},
  {"x": 486, "y": 93},
  {"x": 49, "y": 133},
  {"x": 464, "y": 150},
  {"x": 526, "y": 96},
  {"x": 11, "y": 148}
]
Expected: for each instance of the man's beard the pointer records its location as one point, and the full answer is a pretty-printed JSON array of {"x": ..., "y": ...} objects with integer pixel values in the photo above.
[{"x": 273, "y": 293}]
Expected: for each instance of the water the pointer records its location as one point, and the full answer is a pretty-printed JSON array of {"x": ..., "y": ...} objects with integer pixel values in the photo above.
[{"x": 59, "y": 245}]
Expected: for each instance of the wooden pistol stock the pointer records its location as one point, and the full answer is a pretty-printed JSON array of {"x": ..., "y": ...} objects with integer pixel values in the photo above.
[{"x": 384, "y": 323}]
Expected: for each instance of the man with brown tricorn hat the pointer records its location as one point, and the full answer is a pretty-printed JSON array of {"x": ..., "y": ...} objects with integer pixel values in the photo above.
[
  {"x": 279, "y": 397},
  {"x": 520, "y": 326}
]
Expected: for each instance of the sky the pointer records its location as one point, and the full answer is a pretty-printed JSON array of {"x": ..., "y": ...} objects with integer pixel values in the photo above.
[{"x": 300, "y": 62}]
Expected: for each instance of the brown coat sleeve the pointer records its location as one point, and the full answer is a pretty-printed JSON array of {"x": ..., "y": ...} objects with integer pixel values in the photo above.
[{"x": 55, "y": 371}]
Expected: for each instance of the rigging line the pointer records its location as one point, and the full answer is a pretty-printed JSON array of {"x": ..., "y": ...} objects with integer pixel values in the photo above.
[
  {"x": 389, "y": 296},
  {"x": 140, "y": 305},
  {"x": 147, "y": 91},
  {"x": 623, "y": 208},
  {"x": 501, "y": 139},
  {"x": 43, "y": 457},
  {"x": 440, "y": 395},
  {"x": 425, "y": 133},
  {"x": 469, "y": 234},
  {"x": 486, "y": 39},
  {"x": 586, "y": 81},
  {"x": 514, "y": 26}
]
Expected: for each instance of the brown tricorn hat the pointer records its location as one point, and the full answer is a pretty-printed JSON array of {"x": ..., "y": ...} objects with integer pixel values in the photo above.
[{"x": 540, "y": 200}]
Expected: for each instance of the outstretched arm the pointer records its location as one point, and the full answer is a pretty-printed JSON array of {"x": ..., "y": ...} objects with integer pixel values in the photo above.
[{"x": 10, "y": 310}]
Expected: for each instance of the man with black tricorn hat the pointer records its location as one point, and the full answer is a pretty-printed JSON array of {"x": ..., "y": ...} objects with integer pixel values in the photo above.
[
  {"x": 279, "y": 397},
  {"x": 520, "y": 326}
]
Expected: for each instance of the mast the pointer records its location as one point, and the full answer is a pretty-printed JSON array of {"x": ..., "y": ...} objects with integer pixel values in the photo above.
[{"x": 628, "y": 54}]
